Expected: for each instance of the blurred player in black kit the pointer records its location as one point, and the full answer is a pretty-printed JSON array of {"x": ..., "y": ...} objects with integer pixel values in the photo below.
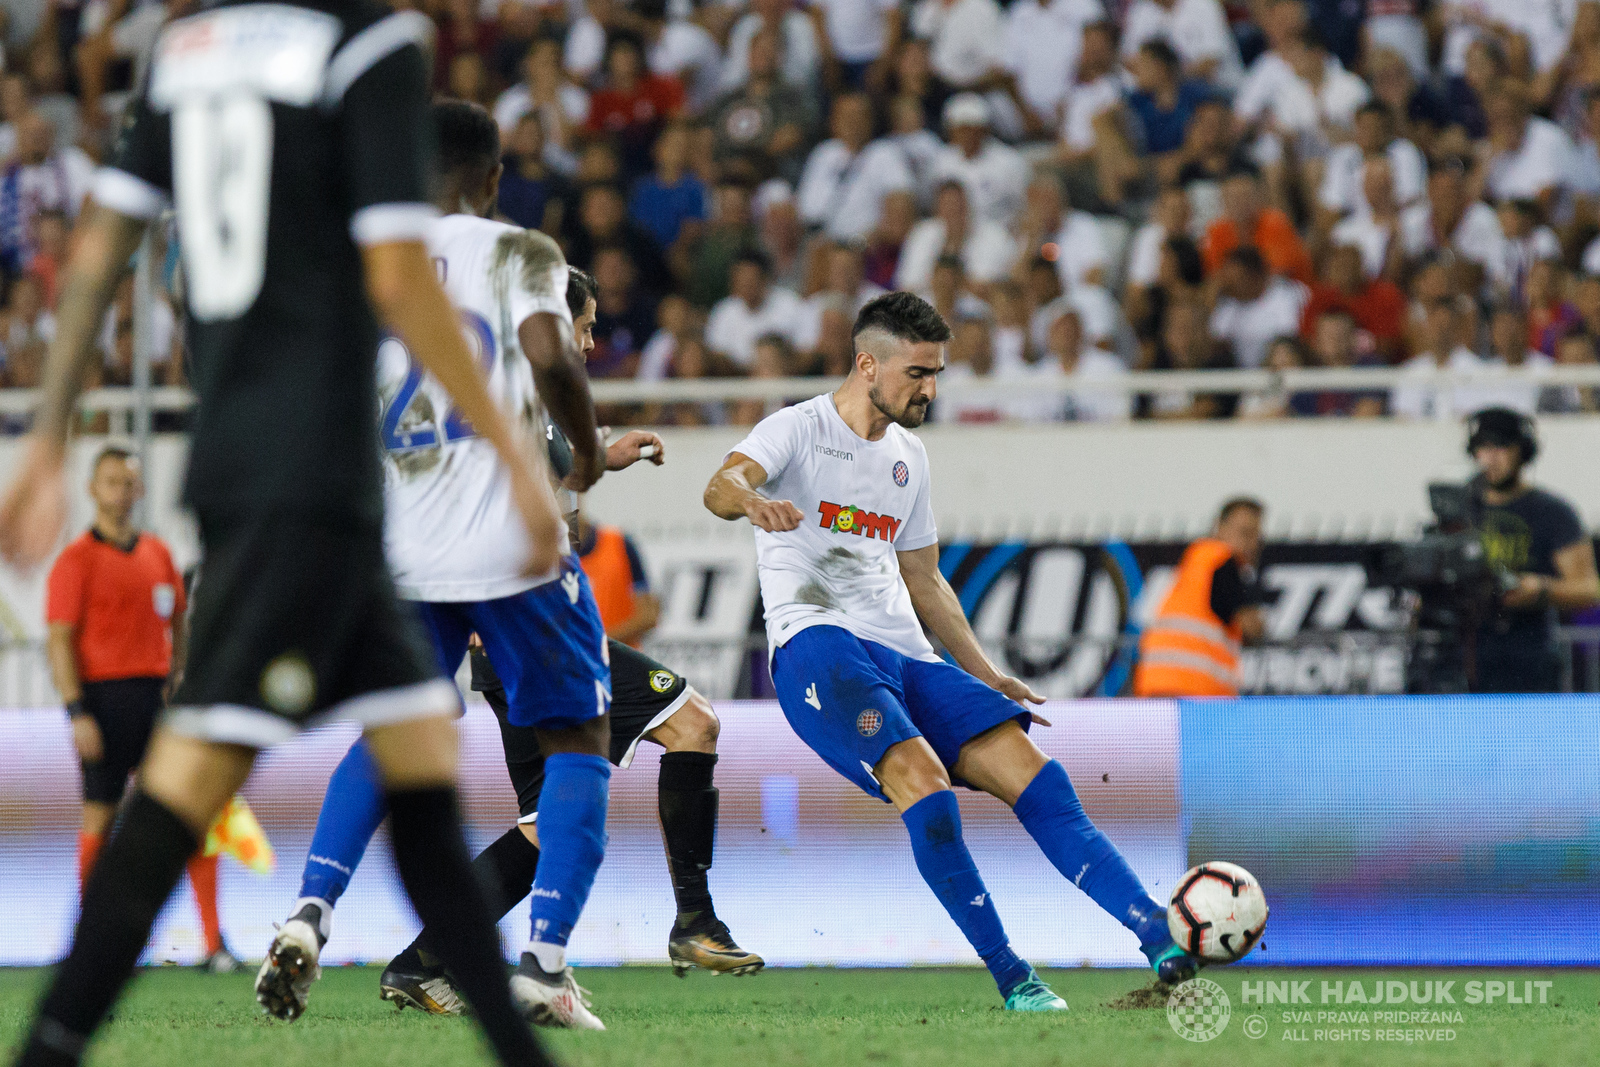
[
  {"x": 1534, "y": 536},
  {"x": 293, "y": 142},
  {"x": 649, "y": 702}
]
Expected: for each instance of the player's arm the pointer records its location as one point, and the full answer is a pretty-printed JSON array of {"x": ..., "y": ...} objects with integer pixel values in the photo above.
[
  {"x": 563, "y": 385},
  {"x": 64, "y": 672},
  {"x": 35, "y": 507},
  {"x": 1575, "y": 586},
  {"x": 633, "y": 446},
  {"x": 938, "y": 607},
  {"x": 406, "y": 294},
  {"x": 732, "y": 494}
]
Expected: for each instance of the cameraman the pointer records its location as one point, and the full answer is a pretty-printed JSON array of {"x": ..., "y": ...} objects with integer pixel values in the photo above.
[{"x": 1536, "y": 537}]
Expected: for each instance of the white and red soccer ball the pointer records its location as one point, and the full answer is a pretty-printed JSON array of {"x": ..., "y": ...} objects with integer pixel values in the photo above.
[{"x": 1217, "y": 912}]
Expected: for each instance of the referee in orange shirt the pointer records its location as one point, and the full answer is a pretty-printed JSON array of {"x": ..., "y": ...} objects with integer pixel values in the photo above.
[{"x": 115, "y": 608}]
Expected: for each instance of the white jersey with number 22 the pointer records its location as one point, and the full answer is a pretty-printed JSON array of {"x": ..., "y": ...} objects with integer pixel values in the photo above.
[{"x": 451, "y": 529}]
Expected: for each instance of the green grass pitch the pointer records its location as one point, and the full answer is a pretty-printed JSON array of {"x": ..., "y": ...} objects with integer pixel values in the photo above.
[{"x": 827, "y": 1017}]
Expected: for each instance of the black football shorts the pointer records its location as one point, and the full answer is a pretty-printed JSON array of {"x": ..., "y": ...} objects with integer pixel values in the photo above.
[
  {"x": 296, "y": 622},
  {"x": 125, "y": 710},
  {"x": 644, "y": 694}
]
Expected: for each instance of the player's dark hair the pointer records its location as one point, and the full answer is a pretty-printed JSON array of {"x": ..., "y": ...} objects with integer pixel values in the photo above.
[
  {"x": 1237, "y": 503},
  {"x": 109, "y": 452},
  {"x": 905, "y": 316},
  {"x": 469, "y": 139},
  {"x": 581, "y": 289}
]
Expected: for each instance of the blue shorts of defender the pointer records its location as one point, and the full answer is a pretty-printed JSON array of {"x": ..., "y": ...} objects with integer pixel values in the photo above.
[
  {"x": 547, "y": 645},
  {"x": 850, "y": 700}
]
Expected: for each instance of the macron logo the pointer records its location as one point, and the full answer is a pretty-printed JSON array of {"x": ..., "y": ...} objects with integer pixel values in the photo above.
[
  {"x": 811, "y": 696},
  {"x": 977, "y": 901},
  {"x": 569, "y": 582},
  {"x": 834, "y": 453}
]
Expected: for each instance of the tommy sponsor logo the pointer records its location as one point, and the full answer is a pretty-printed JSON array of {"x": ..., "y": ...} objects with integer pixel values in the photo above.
[
  {"x": 849, "y": 519},
  {"x": 834, "y": 453},
  {"x": 901, "y": 474}
]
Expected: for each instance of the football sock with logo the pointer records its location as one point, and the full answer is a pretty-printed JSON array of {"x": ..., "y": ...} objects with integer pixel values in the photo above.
[
  {"x": 688, "y": 805},
  {"x": 506, "y": 870},
  {"x": 203, "y": 881},
  {"x": 136, "y": 874},
  {"x": 89, "y": 846},
  {"x": 572, "y": 834},
  {"x": 431, "y": 856},
  {"x": 1050, "y": 811},
  {"x": 947, "y": 867},
  {"x": 352, "y": 810}
]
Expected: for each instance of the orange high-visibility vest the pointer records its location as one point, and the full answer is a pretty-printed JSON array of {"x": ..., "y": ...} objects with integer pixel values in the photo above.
[
  {"x": 610, "y": 576},
  {"x": 1187, "y": 651}
]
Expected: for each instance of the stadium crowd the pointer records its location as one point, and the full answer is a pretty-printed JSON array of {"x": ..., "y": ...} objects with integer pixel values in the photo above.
[{"x": 1081, "y": 190}]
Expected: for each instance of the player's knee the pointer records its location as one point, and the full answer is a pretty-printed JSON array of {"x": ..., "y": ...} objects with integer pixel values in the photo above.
[
  {"x": 692, "y": 728},
  {"x": 910, "y": 772}
]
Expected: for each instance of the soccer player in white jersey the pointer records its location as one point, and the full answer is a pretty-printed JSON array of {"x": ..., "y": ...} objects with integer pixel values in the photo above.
[
  {"x": 839, "y": 492},
  {"x": 455, "y": 548}
]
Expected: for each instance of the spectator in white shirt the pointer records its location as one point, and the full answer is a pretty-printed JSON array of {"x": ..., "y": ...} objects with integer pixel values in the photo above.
[
  {"x": 993, "y": 173},
  {"x": 971, "y": 359},
  {"x": 563, "y": 107},
  {"x": 802, "y": 58},
  {"x": 966, "y": 38},
  {"x": 1196, "y": 29},
  {"x": 1255, "y": 306},
  {"x": 1070, "y": 239},
  {"x": 1527, "y": 241},
  {"x": 1440, "y": 351},
  {"x": 1282, "y": 22},
  {"x": 1450, "y": 220},
  {"x": 986, "y": 251},
  {"x": 1529, "y": 157},
  {"x": 1041, "y": 46},
  {"x": 1375, "y": 229},
  {"x": 1094, "y": 150},
  {"x": 1508, "y": 347},
  {"x": 920, "y": 145},
  {"x": 846, "y": 288},
  {"x": 1172, "y": 216},
  {"x": 753, "y": 308},
  {"x": 1069, "y": 371},
  {"x": 683, "y": 49},
  {"x": 859, "y": 35},
  {"x": 846, "y": 178},
  {"x": 1341, "y": 194}
]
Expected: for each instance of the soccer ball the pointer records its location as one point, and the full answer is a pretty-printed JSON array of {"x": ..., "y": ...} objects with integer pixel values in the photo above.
[{"x": 1217, "y": 912}]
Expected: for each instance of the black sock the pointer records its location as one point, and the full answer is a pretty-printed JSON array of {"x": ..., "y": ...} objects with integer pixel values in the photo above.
[
  {"x": 136, "y": 874},
  {"x": 688, "y": 804},
  {"x": 431, "y": 856},
  {"x": 505, "y": 870}
]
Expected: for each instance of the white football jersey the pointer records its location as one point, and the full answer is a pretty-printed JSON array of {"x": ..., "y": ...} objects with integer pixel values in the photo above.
[
  {"x": 863, "y": 501},
  {"x": 451, "y": 529}
]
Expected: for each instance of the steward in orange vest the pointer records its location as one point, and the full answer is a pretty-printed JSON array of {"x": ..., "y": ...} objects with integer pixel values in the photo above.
[
  {"x": 1191, "y": 647},
  {"x": 628, "y": 609}
]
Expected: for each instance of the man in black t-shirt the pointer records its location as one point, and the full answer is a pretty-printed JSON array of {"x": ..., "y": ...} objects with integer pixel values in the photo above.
[
  {"x": 292, "y": 140},
  {"x": 1535, "y": 536}
]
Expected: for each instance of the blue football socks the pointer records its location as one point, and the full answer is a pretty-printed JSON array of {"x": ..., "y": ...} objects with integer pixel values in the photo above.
[
  {"x": 947, "y": 867},
  {"x": 572, "y": 839},
  {"x": 1050, "y": 811},
  {"x": 352, "y": 809}
]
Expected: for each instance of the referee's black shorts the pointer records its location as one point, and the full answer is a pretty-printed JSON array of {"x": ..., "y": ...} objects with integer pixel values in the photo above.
[
  {"x": 125, "y": 710},
  {"x": 295, "y": 621},
  {"x": 644, "y": 694}
]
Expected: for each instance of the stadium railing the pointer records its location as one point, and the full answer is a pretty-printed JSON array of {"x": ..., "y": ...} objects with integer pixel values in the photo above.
[{"x": 124, "y": 400}]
